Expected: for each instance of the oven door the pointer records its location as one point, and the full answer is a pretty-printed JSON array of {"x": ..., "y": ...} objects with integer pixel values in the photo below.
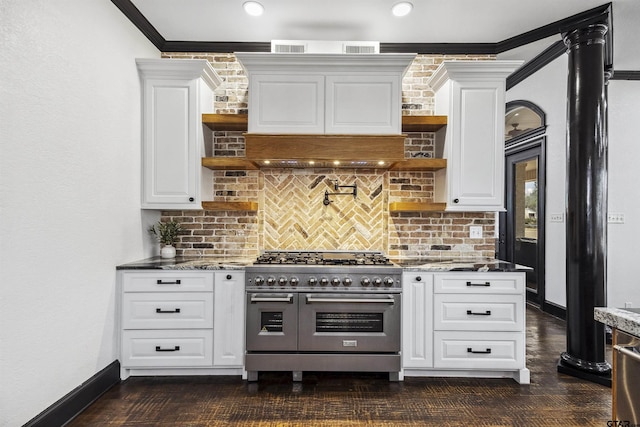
[
  {"x": 272, "y": 321},
  {"x": 349, "y": 323}
]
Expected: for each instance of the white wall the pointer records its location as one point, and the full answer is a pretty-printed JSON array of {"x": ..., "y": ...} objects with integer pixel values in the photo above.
[
  {"x": 548, "y": 89},
  {"x": 623, "y": 284},
  {"x": 69, "y": 192}
]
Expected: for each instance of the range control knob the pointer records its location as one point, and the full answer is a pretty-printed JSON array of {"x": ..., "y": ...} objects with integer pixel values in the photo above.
[
  {"x": 335, "y": 281},
  {"x": 271, "y": 281},
  {"x": 388, "y": 281},
  {"x": 259, "y": 280},
  {"x": 365, "y": 281},
  {"x": 282, "y": 281},
  {"x": 324, "y": 281},
  {"x": 294, "y": 281},
  {"x": 312, "y": 281},
  {"x": 347, "y": 281},
  {"x": 377, "y": 281}
]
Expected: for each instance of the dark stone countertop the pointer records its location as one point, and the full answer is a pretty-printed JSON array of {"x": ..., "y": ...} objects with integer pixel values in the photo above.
[
  {"x": 408, "y": 264},
  {"x": 459, "y": 264},
  {"x": 187, "y": 263}
]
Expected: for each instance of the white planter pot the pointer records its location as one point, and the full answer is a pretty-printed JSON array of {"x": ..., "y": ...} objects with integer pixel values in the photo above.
[{"x": 168, "y": 251}]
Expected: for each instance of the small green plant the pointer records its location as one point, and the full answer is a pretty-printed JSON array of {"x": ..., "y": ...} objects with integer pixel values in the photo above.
[{"x": 166, "y": 232}]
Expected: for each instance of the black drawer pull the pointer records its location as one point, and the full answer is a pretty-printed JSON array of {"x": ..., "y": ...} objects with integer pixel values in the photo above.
[
  {"x": 486, "y": 313},
  {"x": 229, "y": 277},
  {"x": 159, "y": 310},
  {"x": 160, "y": 282},
  {"x": 479, "y": 284},
  {"x": 176, "y": 348},
  {"x": 470, "y": 350}
]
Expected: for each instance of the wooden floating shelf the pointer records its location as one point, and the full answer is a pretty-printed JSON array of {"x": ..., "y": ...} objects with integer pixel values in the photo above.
[
  {"x": 239, "y": 122},
  {"x": 416, "y": 207},
  {"x": 230, "y": 206},
  {"x": 419, "y": 165},
  {"x": 228, "y": 163}
]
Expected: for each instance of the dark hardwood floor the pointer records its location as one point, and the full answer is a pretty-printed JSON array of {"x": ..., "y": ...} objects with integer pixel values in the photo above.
[{"x": 343, "y": 399}]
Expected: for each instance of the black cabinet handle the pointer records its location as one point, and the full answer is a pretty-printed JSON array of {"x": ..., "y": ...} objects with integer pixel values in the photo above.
[
  {"x": 486, "y": 313},
  {"x": 456, "y": 200},
  {"x": 159, "y": 310},
  {"x": 191, "y": 199},
  {"x": 470, "y": 350},
  {"x": 479, "y": 284},
  {"x": 176, "y": 348},
  {"x": 160, "y": 282},
  {"x": 419, "y": 279},
  {"x": 229, "y": 277}
]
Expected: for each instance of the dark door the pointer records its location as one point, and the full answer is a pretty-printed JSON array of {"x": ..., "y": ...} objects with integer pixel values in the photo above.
[{"x": 522, "y": 225}]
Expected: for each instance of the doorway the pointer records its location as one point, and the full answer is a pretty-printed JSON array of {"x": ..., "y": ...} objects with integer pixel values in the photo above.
[{"x": 521, "y": 227}]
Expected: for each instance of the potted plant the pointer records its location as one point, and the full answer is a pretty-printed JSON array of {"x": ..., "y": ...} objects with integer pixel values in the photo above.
[{"x": 167, "y": 234}]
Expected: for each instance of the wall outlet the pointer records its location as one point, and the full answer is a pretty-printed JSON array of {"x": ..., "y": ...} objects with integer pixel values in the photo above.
[
  {"x": 475, "y": 232},
  {"x": 615, "y": 218},
  {"x": 556, "y": 217},
  {"x": 628, "y": 304}
]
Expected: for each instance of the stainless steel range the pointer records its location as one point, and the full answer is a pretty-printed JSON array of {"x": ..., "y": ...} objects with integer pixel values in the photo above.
[{"x": 323, "y": 311}]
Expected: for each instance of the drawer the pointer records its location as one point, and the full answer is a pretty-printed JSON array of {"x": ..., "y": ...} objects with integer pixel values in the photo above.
[
  {"x": 168, "y": 281},
  {"x": 456, "y": 312},
  {"x": 168, "y": 310},
  {"x": 479, "y": 283},
  {"x": 478, "y": 350},
  {"x": 175, "y": 348}
]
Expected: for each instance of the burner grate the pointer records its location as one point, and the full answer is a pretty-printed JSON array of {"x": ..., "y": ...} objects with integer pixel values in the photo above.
[{"x": 323, "y": 258}]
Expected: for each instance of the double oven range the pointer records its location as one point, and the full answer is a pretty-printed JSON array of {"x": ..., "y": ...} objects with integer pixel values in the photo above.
[{"x": 323, "y": 311}]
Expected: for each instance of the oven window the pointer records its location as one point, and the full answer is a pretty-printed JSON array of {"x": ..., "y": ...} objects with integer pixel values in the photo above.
[
  {"x": 349, "y": 322},
  {"x": 271, "y": 321}
]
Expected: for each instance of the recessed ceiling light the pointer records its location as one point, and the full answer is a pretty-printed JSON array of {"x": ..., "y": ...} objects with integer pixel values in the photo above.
[
  {"x": 402, "y": 9},
  {"x": 253, "y": 8}
]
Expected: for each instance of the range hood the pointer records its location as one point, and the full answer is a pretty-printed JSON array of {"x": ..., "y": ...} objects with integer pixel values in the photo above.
[{"x": 325, "y": 109}]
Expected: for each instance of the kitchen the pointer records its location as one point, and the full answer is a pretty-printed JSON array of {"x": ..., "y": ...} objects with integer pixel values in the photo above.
[{"x": 78, "y": 76}]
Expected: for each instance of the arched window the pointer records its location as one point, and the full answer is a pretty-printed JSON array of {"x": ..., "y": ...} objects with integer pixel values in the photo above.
[{"x": 523, "y": 120}]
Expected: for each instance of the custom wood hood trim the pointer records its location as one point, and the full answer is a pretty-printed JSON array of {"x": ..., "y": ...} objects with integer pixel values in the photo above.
[
  {"x": 387, "y": 148},
  {"x": 239, "y": 122},
  {"x": 230, "y": 206}
]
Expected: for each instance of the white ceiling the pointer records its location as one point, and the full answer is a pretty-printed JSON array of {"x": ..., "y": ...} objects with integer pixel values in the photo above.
[{"x": 431, "y": 21}]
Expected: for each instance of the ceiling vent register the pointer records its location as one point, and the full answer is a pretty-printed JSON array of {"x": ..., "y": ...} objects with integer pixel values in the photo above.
[{"x": 320, "y": 46}]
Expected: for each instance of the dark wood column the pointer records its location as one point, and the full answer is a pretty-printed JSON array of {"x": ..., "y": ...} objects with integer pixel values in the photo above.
[{"x": 586, "y": 205}]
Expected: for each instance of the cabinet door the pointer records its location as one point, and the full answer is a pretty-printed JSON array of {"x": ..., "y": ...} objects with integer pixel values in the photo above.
[
  {"x": 417, "y": 320},
  {"x": 361, "y": 104},
  {"x": 170, "y": 150},
  {"x": 228, "y": 318},
  {"x": 476, "y": 148},
  {"x": 285, "y": 103}
]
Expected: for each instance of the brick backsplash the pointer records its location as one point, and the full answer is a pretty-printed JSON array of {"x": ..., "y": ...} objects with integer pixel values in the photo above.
[{"x": 291, "y": 214}]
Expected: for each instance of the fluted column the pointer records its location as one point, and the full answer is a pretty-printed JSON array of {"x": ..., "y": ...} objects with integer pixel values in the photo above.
[{"x": 586, "y": 251}]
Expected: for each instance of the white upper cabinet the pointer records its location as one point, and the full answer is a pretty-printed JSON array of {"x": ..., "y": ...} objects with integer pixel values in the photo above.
[
  {"x": 175, "y": 93},
  {"x": 325, "y": 93},
  {"x": 472, "y": 95}
]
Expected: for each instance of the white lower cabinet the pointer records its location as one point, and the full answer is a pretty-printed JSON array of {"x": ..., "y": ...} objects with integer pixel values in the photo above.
[
  {"x": 175, "y": 322},
  {"x": 472, "y": 324}
]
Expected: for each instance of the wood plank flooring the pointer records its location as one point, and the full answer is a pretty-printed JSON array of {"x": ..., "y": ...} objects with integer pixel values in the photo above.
[{"x": 343, "y": 399}]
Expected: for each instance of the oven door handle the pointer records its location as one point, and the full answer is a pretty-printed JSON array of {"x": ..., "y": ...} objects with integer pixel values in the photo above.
[
  {"x": 625, "y": 350},
  {"x": 258, "y": 298},
  {"x": 388, "y": 300}
]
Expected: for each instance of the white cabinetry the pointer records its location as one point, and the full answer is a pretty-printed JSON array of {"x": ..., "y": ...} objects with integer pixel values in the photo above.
[
  {"x": 177, "y": 322},
  {"x": 471, "y": 94},
  {"x": 228, "y": 320},
  {"x": 471, "y": 324},
  {"x": 325, "y": 93},
  {"x": 175, "y": 93},
  {"x": 417, "y": 320}
]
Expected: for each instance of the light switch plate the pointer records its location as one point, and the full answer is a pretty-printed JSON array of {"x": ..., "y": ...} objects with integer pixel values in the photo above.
[
  {"x": 475, "y": 232},
  {"x": 556, "y": 217},
  {"x": 615, "y": 218}
]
